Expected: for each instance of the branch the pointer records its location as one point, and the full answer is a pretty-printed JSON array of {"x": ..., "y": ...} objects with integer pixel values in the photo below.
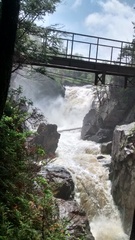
[{"x": 19, "y": 65}]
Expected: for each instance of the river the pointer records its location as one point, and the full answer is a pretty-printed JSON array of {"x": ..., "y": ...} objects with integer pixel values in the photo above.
[{"x": 90, "y": 174}]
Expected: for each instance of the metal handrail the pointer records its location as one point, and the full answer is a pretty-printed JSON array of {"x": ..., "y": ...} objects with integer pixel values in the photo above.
[
  {"x": 70, "y": 41},
  {"x": 85, "y": 35}
]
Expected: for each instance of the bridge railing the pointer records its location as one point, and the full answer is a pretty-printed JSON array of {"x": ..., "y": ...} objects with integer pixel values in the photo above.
[{"x": 91, "y": 48}]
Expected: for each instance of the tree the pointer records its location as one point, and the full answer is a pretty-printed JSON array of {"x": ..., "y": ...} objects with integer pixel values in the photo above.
[
  {"x": 127, "y": 54},
  {"x": 29, "y": 43},
  {"x": 132, "y": 236},
  {"x": 22, "y": 26},
  {"x": 8, "y": 28},
  {"x": 27, "y": 207}
]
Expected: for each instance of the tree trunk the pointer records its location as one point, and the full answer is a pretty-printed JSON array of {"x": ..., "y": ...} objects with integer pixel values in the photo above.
[
  {"x": 132, "y": 236},
  {"x": 8, "y": 28}
]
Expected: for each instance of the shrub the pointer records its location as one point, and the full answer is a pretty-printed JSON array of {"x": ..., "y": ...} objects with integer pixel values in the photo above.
[{"x": 27, "y": 207}]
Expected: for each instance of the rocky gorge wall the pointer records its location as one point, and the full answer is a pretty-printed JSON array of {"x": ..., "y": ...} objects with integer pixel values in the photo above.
[
  {"x": 122, "y": 172},
  {"x": 116, "y": 106},
  {"x": 114, "y": 120}
]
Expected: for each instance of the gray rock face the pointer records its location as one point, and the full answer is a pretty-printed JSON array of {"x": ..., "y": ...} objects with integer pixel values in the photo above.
[
  {"x": 106, "y": 148},
  {"x": 78, "y": 225},
  {"x": 62, "y": 186},
  {"x": 123, "y": 172},
  {"x": 60, "y": 181},
  {"x": 98, "y": 124},
  {"x": 90, "y": 124},
  {"x": 46, "y": 137},
  {"x": 118, "y": 108}
]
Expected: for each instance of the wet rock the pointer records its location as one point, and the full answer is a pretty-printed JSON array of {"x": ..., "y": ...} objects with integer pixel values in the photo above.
[
  {"x": 62, "y": 186},
  {"x": 60, "y": 181},
  {"x": 90, "y": 124},
  {"x": 106, "y": 148},
  {"x": 93, "y": 128},
  {"x": 78, "y": 224},
  {"x": 123, "y": 172},
  {"x": 47, "y": 137},
  {"x": 100, "y": 157},
  {"x": 102, "y": 135}
]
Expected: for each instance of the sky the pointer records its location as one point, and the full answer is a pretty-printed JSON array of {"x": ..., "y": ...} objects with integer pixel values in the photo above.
[{"x": 104, "y": 18}]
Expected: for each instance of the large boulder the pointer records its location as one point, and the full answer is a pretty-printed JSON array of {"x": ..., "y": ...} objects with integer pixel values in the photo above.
[
  {"x": 60, "y": 180},
  {"x": 46, "y": 137},
  {"x": 78, "y": 224},
  {"x": 98, "y": 124},
  {"x": 123, "y": 172}
]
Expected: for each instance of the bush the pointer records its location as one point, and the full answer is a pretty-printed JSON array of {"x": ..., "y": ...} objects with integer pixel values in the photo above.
[{"x": 27, "y": 207}]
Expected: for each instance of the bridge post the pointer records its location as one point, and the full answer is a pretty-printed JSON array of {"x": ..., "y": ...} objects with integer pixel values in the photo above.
[
  {"x": 126, "y": 81},
  {"x": 72, "y": 44},
  {"x": 100, "y": 77},
  {"x": 97, "y": 49}
]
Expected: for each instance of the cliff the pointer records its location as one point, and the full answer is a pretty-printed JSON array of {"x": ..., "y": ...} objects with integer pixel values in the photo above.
[
  {"x": 122, "y": 172},
  {"x": 116, "y": 107}
]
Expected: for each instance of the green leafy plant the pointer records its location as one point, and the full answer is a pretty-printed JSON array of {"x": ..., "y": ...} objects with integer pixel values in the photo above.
[{"x": 27, "y": 207}]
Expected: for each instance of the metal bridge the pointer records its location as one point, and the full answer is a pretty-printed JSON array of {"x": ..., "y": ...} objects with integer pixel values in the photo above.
[{"x": 81, "y": 52}]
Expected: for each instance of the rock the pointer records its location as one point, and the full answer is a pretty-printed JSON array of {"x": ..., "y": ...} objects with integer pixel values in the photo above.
[
  {"x": 60, "y": 181},
  {"x": 123, "y": 172},
  {"x": 100, "y": 157},
  {"x": 102, "y": 135},
  {"x": 115, "y": 109},
  {"x": 93, "y": 128},
  {"x": 106, "y": 148},
  {"x": 62, "y": 186},
  {"x": 90, "y": 124},
  {"x": 78, "y": 224},
  {"x": 47, "y": 137}
]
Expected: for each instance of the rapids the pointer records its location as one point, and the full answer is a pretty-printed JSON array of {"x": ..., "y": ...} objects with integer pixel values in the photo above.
[
  {"x": 92, "y": 187},
  {"x": 80, "y": 158}
]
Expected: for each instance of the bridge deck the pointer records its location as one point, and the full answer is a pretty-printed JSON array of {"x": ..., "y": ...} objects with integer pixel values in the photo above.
[
  {"x": 88, "y": 53},
  {"x": 88, "y": 66}
]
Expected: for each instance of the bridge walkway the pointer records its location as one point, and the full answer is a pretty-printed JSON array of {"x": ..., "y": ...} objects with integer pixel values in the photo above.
[{"x": 86, "y": 53}]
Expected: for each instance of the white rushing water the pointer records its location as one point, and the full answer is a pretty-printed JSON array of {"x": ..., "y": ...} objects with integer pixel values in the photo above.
[{"x": 80, "y": 158}]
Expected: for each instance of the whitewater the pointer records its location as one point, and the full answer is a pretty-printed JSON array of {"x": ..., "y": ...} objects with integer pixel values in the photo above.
[
  {"x": 81, "y": 158},
  {"x": 90, "y": 173}
]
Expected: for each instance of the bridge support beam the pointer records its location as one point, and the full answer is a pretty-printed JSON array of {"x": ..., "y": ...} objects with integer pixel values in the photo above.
[
  {"x": 129, "y": 82},
  {"x": 126, "y": 82},
  {"x": 99, "y": 77}
]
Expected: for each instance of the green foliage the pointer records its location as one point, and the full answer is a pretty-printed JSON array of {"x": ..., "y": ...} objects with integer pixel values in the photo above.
[
  {"x": 71, "y": 78},
  {"x": 127, "y": 54},
  {"x": 27, "y": 207},
  {"x": 29, "y": 42}
]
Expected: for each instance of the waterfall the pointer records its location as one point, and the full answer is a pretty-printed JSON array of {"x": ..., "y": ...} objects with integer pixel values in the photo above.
[{"x": 90, "y": 175}]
